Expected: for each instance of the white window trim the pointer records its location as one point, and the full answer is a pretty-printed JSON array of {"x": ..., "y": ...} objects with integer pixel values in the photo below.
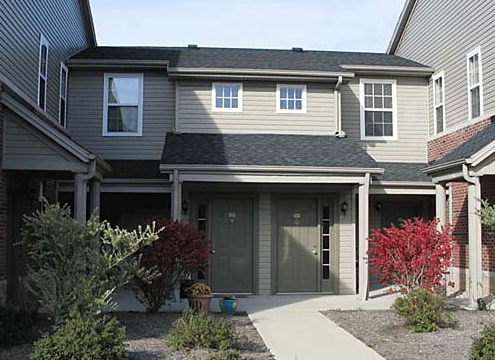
[
  {"x": 62, "y": 95},
  {"x": 435, "y": 77},
  {"x": 214, "y": 102},
  {"x": 107, "y": 76},
  {"x": 294, "y": 111},
  {"x": 43, "y": 41},
  {"x": 393, "y": 82},
  {"x": 469, "y": 87}
]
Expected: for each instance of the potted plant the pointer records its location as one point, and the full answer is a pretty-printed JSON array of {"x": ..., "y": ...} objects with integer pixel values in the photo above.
[
  {"x": 228, "y": 304},
  {"x": 199, "y": 296}
]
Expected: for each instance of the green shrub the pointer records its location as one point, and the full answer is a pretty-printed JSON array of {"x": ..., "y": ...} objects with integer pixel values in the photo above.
[
  {"x": 197, "y": 330},
  {"x": 83, "y": 338},
  {"x": 16, "y": 325},
  {"x": 423, "y": 310},
  {"x": 483, "y": 348},
  {"x": 230, "y": 354}
]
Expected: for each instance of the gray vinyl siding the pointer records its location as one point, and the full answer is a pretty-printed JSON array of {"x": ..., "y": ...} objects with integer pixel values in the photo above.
[
  {"x": 24, "y": 146},
  {"x": 440, "y": 34},
  {"x": 259, "y": 111},
  {"x": 265, "y": 244},
  {"x": 412, "y": 121},
  {"x": 85, "y": 114},
  {"x": 21, "y": 24},
  {"x": 347, "y": 246}
]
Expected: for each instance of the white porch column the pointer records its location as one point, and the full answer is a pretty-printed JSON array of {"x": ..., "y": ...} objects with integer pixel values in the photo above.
[
  {"x": 474, "y": 236},
  {"x": 176, "y": 202},
  {"x": 440, "y": 201},
  {"x": 364, "y": 190},
  {"x": 94, "y": 196},
  {"x": 80, "y": 193}
]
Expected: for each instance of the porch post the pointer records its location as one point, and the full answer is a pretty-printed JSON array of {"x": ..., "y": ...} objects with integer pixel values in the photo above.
[
  {"x": 474, "y": 236},
  {"x": 363, "y": 238},
  {"x": 440, "y": 201},
  {"x": 176, "y": 197},
  {"x": 94, "y": 196},
  {"x": 80, "y": 193}
]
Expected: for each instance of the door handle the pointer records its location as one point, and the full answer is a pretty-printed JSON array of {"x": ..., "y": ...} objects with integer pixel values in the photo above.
[{"x": 314, "y": 252}]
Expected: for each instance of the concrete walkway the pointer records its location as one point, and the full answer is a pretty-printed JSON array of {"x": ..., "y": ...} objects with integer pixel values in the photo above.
[{"x": 294, "y": 329}]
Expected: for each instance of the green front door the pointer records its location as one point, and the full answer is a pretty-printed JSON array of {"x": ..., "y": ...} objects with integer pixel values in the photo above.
[
  {"x": 297, "y": 245},
  {"x": 232, "y": 237}
]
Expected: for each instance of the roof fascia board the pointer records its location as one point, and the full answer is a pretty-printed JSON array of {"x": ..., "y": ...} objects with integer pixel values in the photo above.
[
  {"x": 401, "y": 25},
  {"x": 88, "y": 21},
  {"x": 264, "y": 178},
  {"x": 421, "y": 184},
  {"x": 386, "y": 70},
  {"x": 183, "y": 71},
  {"x": 92, "y": 63},
  {"x": 443, "y": 167},
  {"x": 387, "y": 190},
  {"x": 280, "y": 169}
]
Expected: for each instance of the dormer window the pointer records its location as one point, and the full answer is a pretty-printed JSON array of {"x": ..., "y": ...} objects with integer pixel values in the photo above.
[
  {"x": 227, "y": 97},
  {"x": 291, "y": 99},
  {"x": 378, "y": 98}
]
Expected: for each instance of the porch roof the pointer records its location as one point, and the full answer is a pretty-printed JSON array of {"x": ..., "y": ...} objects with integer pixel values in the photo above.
[
  {"x": 402, "y": 172},
  {"x": 265, "y": 150}
]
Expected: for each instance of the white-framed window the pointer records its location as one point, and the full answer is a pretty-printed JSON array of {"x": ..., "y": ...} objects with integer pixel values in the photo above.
[
  {"x": 42, "y": 72},
  {"x": 439, "y": 102},
  {"x": 378, "y": 102},
  {"x": 64, "y": 78},
  {"x": 475, "y": 83},
  {"x": 291, "y": 98},
  {"x": 226, "y": 97},
  {"x": 123, "y": 105}
]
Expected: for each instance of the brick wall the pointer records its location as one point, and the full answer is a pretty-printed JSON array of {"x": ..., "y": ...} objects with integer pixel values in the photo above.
[
  {"x": 437, "y": 149},
  {"x": 3, "y": 205}
]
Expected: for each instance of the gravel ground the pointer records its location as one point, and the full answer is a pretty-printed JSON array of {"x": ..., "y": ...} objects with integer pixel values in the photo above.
[
  {"x": 386, "y": 334},
  {"x": 146, "y": 333}
]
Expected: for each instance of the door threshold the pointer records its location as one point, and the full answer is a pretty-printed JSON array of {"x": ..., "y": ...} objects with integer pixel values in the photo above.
[
  {"x": 305, "y": 293},
  {"x": 237, "y": 295}
]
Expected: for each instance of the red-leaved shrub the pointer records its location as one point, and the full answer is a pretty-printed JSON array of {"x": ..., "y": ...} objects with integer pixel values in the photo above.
[
  {"x": 414, "y": 255},
  {"x": 179, "y": 250}
]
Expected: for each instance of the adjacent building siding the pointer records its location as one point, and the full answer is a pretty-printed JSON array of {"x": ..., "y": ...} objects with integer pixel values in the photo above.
[
  {"x": 265, "y": 244},
  {"x": 259, "y": 111},
  {"x": 21, "y": 24},
  {"x": 440, "y": 34},
  {"x": 347, "y": 246},
  {"x": 85, "y": 114},
  {"x": 412, "y": 121}
]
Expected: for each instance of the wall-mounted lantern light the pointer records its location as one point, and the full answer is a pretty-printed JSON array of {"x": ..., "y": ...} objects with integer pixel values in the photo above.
[{"x": 344, "y": 207}]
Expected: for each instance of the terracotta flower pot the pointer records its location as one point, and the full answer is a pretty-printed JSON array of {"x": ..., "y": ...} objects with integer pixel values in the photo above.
[{"x": 200, "y": 303}]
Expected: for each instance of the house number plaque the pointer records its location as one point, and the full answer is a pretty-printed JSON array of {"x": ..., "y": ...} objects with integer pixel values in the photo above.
[
  {"x": 297, "y": 219},
  {"x": 232, "y": 216}
]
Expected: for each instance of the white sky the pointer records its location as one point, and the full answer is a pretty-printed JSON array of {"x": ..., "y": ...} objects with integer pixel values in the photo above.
[{"x": 356, "y": 25}]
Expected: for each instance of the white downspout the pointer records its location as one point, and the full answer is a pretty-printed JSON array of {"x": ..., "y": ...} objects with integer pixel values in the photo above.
[
  {"x": 474, "y": 234},
  {"x": 338, "y": 109}
]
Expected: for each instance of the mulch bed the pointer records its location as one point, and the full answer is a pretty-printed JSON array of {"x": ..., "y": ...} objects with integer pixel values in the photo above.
[
  {"x": 146, "y": 337},
  {"x": 387, "y": 335}
]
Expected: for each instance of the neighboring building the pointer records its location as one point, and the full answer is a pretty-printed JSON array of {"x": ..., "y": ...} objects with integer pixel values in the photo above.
[
  {"x": 250, "y": 146},
  {"x": 36, "y": 39},
  {"x": 457, "y": 40}
]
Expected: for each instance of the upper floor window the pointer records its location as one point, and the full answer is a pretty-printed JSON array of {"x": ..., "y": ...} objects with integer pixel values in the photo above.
[
  {"x": 123, "y": 105},
  {"x": 439, "y": 102},
  {"x": 378, "y": 100},
  {"x": 291, "y": 98},
  {"x": 227, "y": 97},
  {"x": 42, "y": 72},
  {"x": 62, "y": 114},
  {"x": 475, "y": 84}
]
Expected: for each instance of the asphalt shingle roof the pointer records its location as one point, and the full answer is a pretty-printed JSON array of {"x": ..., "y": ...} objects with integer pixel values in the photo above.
[
  {"x": 395, "y": 171},
  {"x": 470, "y": 147},
  {"x": 307, "y": 60},
  {"x": 264, "y": 149}
]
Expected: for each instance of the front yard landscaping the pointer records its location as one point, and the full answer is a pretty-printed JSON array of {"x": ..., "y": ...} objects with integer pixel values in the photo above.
[
  {"x": 146, "y": 338},
  {"x": 383, "y": 331}
]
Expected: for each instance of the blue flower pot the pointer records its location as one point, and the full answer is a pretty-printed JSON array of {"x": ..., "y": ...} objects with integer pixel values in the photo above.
[{"x": 228, "y": 306}]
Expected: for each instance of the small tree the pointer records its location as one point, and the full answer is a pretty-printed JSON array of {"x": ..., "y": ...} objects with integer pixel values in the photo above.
[
  {"x": 414, "y": 255},
  {"x": 180, "y": 250},
  {"x": 76, "y": 267}
]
